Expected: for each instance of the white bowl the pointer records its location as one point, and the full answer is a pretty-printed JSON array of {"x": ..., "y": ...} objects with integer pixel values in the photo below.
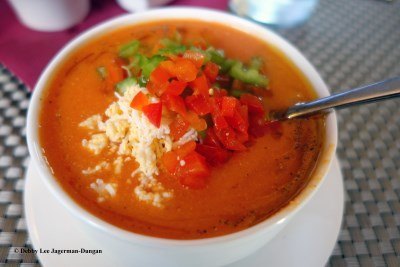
[{"x": 216, "y": 251}]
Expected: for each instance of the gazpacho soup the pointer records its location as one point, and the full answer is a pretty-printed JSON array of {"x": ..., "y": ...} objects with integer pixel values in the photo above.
[{"x": 163, "y": 129}]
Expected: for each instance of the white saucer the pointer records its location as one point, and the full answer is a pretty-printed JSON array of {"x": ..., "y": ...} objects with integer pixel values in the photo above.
[{"x": 307, "y": 240}]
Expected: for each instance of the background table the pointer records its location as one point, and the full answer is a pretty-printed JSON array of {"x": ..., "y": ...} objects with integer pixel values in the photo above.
[{"x": 351, "y": 42}]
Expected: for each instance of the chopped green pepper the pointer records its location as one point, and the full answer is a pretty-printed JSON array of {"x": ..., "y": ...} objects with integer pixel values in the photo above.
[
  {"x": 149, "y": 64},
  {"x": 171, "y": 50},
  {"x": 171, "y": 47},
  {"x": 136, "y": 61},
  {"x": 250, "y": 76},
  {"x": 207, "y": 56},
  {"x": 129, "y": 50},
  {"x": 227, "y": 65},
  {"x": 121, "y": 87},
  {"x": 142, "y": 81},
  {"x": 216, "y": 56},
  {"x": 102, "y": 71}
]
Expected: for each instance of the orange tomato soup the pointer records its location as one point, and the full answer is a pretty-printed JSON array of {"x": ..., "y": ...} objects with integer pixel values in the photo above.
[{"x": 250, "y": 187}]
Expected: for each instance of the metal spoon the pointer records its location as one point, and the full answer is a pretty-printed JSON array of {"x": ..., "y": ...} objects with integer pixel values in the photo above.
[{"x": 389, "y": 88}]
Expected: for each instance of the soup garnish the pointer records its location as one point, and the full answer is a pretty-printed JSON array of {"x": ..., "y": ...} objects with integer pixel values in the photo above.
[{"x": 204, "y": 120}]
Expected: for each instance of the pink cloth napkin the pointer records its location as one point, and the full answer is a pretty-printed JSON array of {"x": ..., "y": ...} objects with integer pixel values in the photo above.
[{"x": 26, "y": 52}]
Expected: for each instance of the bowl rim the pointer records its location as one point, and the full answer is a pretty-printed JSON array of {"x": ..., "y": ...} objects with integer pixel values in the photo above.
[{"x": 176, "y": 13}]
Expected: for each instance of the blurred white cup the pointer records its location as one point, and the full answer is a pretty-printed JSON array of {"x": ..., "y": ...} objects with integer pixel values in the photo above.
[
  {"x": 50, "y": 15},
  {"x": 140, "y": 5},
  {"x": 281, "y": 13}
]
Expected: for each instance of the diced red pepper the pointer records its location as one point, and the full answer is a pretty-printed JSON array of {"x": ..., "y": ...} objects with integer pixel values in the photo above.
[
  {"x": 178, "y": 127},
  {"x": 242, "y": 137},
  {"x": 240, "y": 122},
  {"x": 194, "y": 171},
  {"x": 254, "y": 104},
  {"x": 244, "y": 113},
  {"x": 185, "y": 149},
  {"x": 256, "y": 125},
  {"x": 170, "y": 161},
  {"x": 211, "y": 71},
  {"x": 153, "y": 113},
  {"x": 158, "y": 81},
  {"x": 200, "y": 86},
  {"x": 214, "y": 155},
  {"x": 211, "y": 138},
  {"x": 228, "y": 106},
  {"x": 195, "y": 57},
  {"x": 160, "y": 76},
  {"x": 185, "y": 70},
  {"x": 115, "y": 73},
  {"x": 175, "y": 87},
  {"x": 219, "y": 121},
  {"x": 215, "y": 104},
  {"x": 259, "y": 127},
  {"x": 229, "y": 140},
  {"x": 195, "y": 121},
  {"x": 239, "y": 119},
  {"x": 174, "y": 103},
  {"x": 220, "y": 92},
  {"x": 168, "y": 66},
  {"x": 199, "y": 104},
  {"x": 139, "y": 101}
]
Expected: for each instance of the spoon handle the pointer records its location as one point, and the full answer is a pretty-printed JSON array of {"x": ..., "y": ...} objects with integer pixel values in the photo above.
[{"x": 389, "y": 88}]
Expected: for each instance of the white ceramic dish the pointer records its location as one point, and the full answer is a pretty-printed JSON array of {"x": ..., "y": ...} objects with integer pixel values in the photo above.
[
  {"x": 307, "y": 240},
  {"x": 219, "y": 250},
  {"x": 50, "y": 15}
]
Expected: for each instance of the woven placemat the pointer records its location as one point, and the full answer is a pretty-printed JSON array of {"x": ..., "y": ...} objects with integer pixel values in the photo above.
[{"x": 350, "y": 42}]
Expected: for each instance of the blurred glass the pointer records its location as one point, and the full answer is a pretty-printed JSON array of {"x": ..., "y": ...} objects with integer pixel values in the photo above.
[
  {"x": 140, "y": 5},
  {"x": 281, "y": 13}
]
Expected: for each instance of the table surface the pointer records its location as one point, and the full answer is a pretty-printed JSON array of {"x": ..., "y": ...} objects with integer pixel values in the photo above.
[{"x": 350, "y": 42}]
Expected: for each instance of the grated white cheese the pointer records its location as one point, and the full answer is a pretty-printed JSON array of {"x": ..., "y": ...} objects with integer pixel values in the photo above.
[
  {"x": 129, "y": 133},
  {"x": 190, "y": 135},
  {"x": 133, "y": 174},
  {"x": 93, "y": 123},
  {"x": 116, "y": 129},
  {"x": 98, "y": 167},
  {"x": 118, "y": 164},
  {"x": 135, "y": 134},
  {"x": 96, "y": 143},
  {"x": 110, "y": 189},
  {"x": 104, "y": 190},
  {"x": 151, "y": 191}
]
